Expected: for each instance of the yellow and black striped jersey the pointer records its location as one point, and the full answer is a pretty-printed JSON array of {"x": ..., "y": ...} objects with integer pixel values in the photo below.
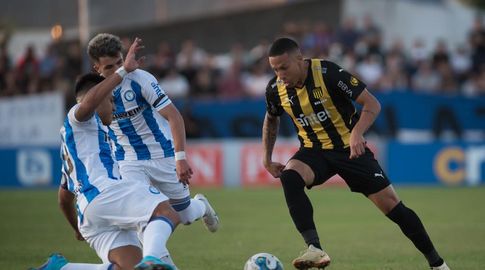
[{"x": 322, "y": 110}]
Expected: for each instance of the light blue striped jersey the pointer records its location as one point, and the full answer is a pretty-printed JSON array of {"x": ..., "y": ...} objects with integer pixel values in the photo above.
[
  {"x": 88, "y": 166},
  {"x": 138, "y": 130}
]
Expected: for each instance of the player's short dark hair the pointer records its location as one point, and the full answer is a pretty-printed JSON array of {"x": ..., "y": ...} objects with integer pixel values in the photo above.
[
  {"x": 282, "y": 46},
  {"x": 86, "y": 82},
  {"x": 104, "y": 45}
]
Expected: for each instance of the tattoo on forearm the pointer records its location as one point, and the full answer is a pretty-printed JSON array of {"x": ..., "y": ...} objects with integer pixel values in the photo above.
[
  {"x": 270, "y": 131},
  {"x": 369, "y": 111}
]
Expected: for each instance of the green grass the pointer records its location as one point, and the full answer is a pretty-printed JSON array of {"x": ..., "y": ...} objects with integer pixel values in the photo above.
[{"x": 352, "y": 230}]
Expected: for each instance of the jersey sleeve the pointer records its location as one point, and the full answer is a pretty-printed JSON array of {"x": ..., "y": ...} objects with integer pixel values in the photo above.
[
  {"x": 341, "y": 81},
  {"x": 152, "y": 92},
  {"x": 273, "y": 102},
  {"x": 71, "y": 116}
]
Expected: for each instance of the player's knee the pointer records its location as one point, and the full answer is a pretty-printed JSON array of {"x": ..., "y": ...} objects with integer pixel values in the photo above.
[
  {"x": 164, "y": 209},
  {"x": 292, "y": 180}
]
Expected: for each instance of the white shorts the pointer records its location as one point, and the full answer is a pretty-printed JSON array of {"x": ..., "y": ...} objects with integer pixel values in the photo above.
[
  {"x": 159, "y": 172},
  {"x": 117, "y": 215}
]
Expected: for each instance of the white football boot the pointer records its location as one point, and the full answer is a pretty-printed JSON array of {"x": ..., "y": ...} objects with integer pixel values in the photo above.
[
  {"x": 441, "y": 267},
  {"x": 312, "y": 258},
  {"x": 211, "y": 220}
]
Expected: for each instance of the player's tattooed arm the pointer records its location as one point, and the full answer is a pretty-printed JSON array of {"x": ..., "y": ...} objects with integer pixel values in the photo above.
[{"x": 270, "y": 131}]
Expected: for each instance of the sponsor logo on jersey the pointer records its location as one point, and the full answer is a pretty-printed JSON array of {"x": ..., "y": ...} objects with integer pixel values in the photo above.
[
  {"x": 344, "y": 87},
  {"x": 130, "y": 113},
  {"x": 321, "y": 101},
  {"x": 312, "y": 119},
  {"x": 157, "y": 88}
]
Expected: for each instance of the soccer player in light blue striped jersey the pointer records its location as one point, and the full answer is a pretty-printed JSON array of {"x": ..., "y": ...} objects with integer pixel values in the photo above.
[
  {"x": 112, "y": 213},
  {"x": 149, "y": 133}
]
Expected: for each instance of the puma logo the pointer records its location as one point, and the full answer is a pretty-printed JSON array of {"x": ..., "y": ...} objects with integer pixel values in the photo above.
[{"x": 381, "y": 174}]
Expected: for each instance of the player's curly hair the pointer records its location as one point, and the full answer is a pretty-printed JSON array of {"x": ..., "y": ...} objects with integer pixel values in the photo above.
[{"x": 104, "y": 45}]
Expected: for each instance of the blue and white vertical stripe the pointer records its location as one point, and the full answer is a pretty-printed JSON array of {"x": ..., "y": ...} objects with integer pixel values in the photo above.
[
  {"x": 88, "y": 164},
  {"x": 138, "y": 129}
]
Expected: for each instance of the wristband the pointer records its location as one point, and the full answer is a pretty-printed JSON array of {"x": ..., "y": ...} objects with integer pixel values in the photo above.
[
  {"x": 179, "y": 155},
  {"x": 121, "y": 71}
]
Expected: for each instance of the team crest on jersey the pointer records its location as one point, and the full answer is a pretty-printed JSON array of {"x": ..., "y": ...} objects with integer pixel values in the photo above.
[
  {"x": 129, "y": 95},
  {"x": 353, "y": 81},
  {"x": 317, "y": 93}
]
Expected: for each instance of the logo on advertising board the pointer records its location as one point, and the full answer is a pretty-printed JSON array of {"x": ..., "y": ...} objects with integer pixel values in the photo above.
[
  {"x": 34, "y": 167},
  {"x": 454, "y": 165}
]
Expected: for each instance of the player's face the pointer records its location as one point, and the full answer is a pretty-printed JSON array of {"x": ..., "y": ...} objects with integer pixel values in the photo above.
[
  {"x": 105, "y": 110},
  {"x": 287, "y": 68},
  {"x": 107, "y": 65}
]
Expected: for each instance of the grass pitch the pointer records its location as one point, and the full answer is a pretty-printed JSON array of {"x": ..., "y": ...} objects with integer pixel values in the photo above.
[{"x": 355, "y": 234}]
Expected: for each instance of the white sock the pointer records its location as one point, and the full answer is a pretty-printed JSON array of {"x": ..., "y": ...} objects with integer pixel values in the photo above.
[
  {"x": 155, "y": 237},
  {"x": 193, "y": 212},
  {"x": 86, "y": 266}
]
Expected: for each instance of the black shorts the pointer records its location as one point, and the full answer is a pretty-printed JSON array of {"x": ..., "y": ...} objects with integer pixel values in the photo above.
[{"x": 362, "y": 174}]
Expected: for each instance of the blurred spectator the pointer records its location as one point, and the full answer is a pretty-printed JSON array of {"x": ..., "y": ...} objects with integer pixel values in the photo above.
[
  {"x": 348, "y": 35},
  {"x": 371, "y": 34},
  {"x": 5, "y": 66},
  {"x": 73, "y": 61},
  {"x": 370, "y": 71},
  {"x": 48, "y": 67},
  {"x": 461, "y": 63},
  {"x": 175, "y": 85},
  {"x": 204, "y": 85},
  {"x": 417, "y": 54},
  {"x": 230, "y": 85},
  {"x": 426, "y": 79},
  {"x": 27, "y": 71},
  {"x": 476, "y": 39},
  {"x": 190, "y": 56},
  {"x": 448, "y": 83},
  {"x": 475, "y": 86},
  {"x": 256, "y": 80},
  {"x": 318, "y": 40},
  {"x": 394, "y": 76},
  {"x": 440, "y": 54},
  {"x": 163, "y": 61},
  {"x": 237, "y": 53}
]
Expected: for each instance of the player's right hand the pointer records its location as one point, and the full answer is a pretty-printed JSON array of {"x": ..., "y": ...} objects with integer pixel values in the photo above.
[
  {"x": 274, "y": 168},
  {"x": 131, "y": 63},
  {"x": 184, "y": 172}
]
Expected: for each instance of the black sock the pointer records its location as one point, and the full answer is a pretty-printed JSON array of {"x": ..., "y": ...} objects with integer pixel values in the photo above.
[
  {"x": 413, "y": 228},
  {"x": 311, "y": 238},
  {"x": 300, "y": 207}
]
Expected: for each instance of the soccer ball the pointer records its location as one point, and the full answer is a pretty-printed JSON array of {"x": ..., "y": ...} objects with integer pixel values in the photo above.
[{"x": 263, "y": 261}]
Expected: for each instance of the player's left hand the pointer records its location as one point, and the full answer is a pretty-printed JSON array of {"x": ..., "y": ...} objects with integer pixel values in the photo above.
[
  {"x": 184, "y": 172},
  {"x": 357, "y": 145}
]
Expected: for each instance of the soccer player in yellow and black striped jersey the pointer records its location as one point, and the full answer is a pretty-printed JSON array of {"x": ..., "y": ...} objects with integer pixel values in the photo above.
[{"x": 318, "y": 95}]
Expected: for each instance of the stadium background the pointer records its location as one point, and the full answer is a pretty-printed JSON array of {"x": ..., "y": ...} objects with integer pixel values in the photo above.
[{"x": 424, "y": 60}]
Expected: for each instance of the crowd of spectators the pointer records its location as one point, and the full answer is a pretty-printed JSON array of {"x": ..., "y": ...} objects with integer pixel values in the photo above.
[{"x": 192, "y": 71}]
